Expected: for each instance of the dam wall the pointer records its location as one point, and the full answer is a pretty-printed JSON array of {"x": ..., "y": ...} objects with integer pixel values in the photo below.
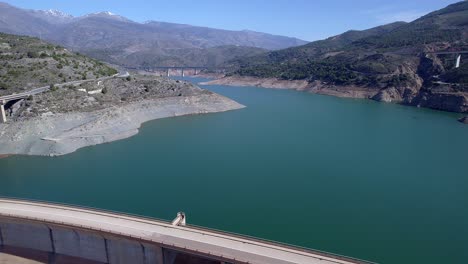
[
  {"x": 53, "y": 233},
  {"x": 58, "y": 244}
]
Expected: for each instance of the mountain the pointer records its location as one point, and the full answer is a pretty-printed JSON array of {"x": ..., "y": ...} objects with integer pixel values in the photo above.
[
  {"x": 209, "y": 57},
  {"x": 115, "y": 38},
  {"x": 393, "y": 62},
  {"x": 17, "y": 21},
  {"x": 52, "y": 16},
  {"x": 208, "y": 37}
]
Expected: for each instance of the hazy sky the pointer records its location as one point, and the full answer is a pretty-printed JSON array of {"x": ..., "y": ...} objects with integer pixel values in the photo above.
[{"x": 306, "y": 19}]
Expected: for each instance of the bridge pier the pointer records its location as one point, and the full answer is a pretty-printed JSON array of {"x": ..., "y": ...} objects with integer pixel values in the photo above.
[{"x": 3, "y": 114}]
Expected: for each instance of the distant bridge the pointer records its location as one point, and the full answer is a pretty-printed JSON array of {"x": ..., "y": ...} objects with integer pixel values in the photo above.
[
  {"x": 179, "y": 70},
  {"x": 57, "y": 232}
]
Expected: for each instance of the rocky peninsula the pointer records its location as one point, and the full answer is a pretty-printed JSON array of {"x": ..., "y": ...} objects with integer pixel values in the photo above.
[{"x": 66, "y": 119}]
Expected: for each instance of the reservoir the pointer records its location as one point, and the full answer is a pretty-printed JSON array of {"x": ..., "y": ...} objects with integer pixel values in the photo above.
[{"x": 381, "y": 182}]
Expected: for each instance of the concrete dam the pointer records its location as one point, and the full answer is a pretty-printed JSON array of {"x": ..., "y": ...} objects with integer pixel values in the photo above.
[{"x": 51, "y": 233}]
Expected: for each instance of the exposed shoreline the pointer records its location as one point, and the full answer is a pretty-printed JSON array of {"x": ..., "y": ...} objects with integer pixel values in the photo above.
[
  {"x": 64, "y": 133},
  {"x": 299, "y": 85},
  {"x": 442, "y": 101}
]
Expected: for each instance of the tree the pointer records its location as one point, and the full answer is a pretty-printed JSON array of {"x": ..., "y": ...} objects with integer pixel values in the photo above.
[{"x": 32, "y": 54}]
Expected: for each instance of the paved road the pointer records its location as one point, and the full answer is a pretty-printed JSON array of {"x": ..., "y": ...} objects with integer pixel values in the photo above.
[
  {"x": 447, "y": 52},
  {"x": 46, "y": 88},
  {"x": 195, "y": 239}
]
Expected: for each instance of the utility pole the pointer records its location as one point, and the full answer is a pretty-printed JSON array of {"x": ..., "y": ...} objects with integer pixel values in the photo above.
[{"x": 2, "y": 110}]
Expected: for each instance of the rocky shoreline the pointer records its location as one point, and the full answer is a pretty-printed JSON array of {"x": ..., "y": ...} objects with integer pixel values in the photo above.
[
  {"x": 440, "y": 100},
  {"x": 63, "y": 133},
  {"x": 464, "y": 120},
  {"x": 258, "y": 82},
  {"x": 298, "y": 85}
]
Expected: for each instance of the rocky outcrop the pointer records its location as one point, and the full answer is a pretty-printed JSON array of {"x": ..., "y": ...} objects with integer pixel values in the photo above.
[
  {"x": 429, "y": 66},
  {"x": 446, "y": 101},
  {"x": 464, "y": 120},
  {"x": 388, "y": 95}
]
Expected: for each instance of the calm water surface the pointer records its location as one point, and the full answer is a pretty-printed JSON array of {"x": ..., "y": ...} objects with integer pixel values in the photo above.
[{"x": 376, "y": 181}]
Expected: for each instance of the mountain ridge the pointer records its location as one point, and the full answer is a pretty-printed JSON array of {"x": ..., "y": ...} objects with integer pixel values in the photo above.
[
  {"x": 116, "y": 39},
  {"x": 392, "y": 63}
]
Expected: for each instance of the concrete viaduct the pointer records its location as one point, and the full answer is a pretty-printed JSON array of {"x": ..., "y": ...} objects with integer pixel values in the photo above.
[
  {"x": 180, "y": 70},
  {"x": 52, "y": 233}
]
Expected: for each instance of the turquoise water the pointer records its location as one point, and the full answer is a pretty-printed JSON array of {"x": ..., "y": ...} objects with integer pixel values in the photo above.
[{"x": 376, "y": 181}]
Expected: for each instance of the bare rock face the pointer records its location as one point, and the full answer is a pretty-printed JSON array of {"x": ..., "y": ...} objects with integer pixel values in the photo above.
[
  {"x": 16, "y": 107},
  {"x": 464, "y": 120},
  {"x": 388, "y": 95},
  {"x": 446, "y": 101},
  {"x": 430, "y": 65}
]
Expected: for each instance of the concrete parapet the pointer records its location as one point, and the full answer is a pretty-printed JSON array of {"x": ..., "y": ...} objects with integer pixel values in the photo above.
[
  {"x": 153, "y": 254},
  {"x": 79, "y": 244},
  {"x": 26, "y": 235},
  {"x": 124, "y": 251}
]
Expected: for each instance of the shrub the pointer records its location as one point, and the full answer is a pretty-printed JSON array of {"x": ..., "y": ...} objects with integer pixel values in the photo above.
[
  {"x": 32, "y": 54},
  {"x": 53, "y": 88}
]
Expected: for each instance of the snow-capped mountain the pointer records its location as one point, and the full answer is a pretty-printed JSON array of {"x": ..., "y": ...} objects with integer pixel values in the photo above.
[
  {"x": 53, "y": 16},
  {"x": 55, "y": 13},
  {"x": 59, "y": 17},
  {"x": 107, "y": 14}
]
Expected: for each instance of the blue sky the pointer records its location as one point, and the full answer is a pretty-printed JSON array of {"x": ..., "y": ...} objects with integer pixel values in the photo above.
[{"x": 305, "y": 19}]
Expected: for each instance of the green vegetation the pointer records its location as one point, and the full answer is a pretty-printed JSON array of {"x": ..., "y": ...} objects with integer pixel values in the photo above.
[
  {"x": 53, "y": 87},
  {"x": 27, "y": 62},
  {"x": 386, "y": 56}
]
